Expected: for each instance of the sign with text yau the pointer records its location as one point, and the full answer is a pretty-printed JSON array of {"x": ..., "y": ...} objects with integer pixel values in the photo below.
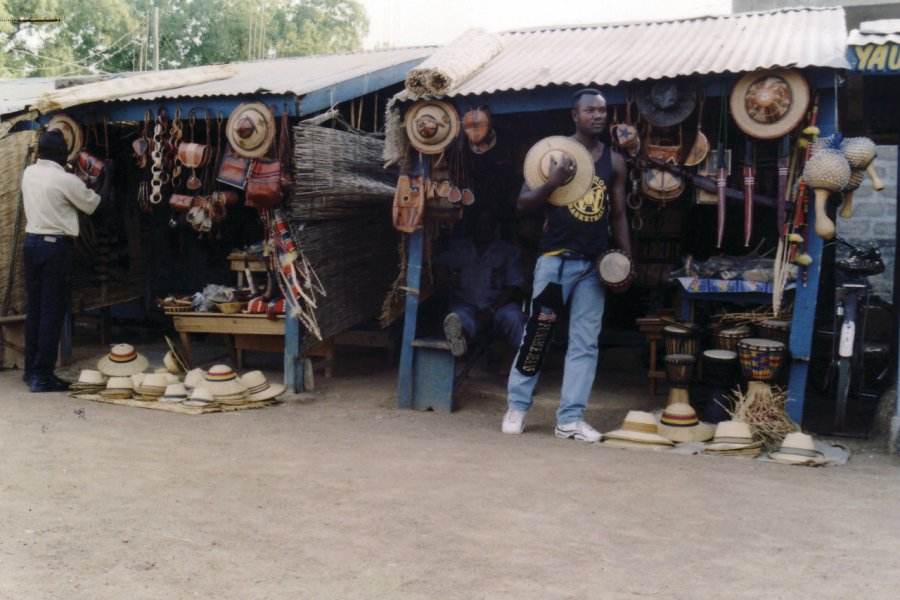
[{"x": 875, "y": 58}]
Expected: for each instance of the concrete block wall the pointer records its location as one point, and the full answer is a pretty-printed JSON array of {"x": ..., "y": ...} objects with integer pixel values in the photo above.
[{"x": 875, "y": 219}]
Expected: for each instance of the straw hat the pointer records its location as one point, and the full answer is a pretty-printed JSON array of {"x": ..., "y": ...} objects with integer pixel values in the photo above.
[
  {"x": 179, "y": 362},
  {"x": 201, "y": 396},
  {"x": 153, "y": 386},
  {"x": 175, "y": 392},
  {"x": 91, "y": 377},
  {"x": 638, "y": 429},
  {"x": 431, "y": 125},
  {"x": 259, "y": 387},
  {"x": 551, "y": 150},
  {"x": 768, "y": 104},
  {"x": 221, "y": 380},
  {"x": 250, "y": 129},
  {"x": 666, "y": 102},
  {"x": 679, "y": 423},
  {"x": 118, "y": 387},
  {"x": 122, "y": 360},
  {"x": 137, "y": 379},
  {"x": 797, "y": 449},
  {"x": 194, "y": 378},
  {"x": 71, "y": 132},
  {"x": 732, "y": 435}
]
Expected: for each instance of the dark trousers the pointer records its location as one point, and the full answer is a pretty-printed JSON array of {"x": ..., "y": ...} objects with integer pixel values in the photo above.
[{"x": 48, "y": 284}]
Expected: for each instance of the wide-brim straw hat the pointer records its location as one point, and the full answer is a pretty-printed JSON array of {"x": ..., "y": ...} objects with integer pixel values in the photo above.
[
  {"x": 194, "y": 378},
  {"x": 153, "y": 384},
  {"x": 250, "y": 129},
  {"x": 259, "y": 387},
  {"x": 679, "y": 423},
  {"x": 768, "y": 104},
  {"x": 221, "y": 380},
  {"x": 666, "y": 102},
  {"x": 798, "y": 449},
  {"x": 431, "y": 125},
  {"x": 175, "y": 392},
  {"x": 122, "y": 360},
  {"x": 201, "y": 396},
  {"x": 118, "y": 388},
  {"x": 550, "y": 150},
  {"x": 71, "y": 131},
  {"x": 90, "y": 377},
  {"x": 639, "y": 428},
  {"x": 732, "y": 435}
]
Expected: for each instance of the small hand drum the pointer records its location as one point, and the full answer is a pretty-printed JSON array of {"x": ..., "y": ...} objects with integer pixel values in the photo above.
[
  {"x": 615, "y": 269},
  {"x": 681, "y": 341},
  {"x": 719, "y": 367},
  {"x": 727, "y": 339},
  {"x": 774, "y": 329},
  {"x": 760, "y": 359}
]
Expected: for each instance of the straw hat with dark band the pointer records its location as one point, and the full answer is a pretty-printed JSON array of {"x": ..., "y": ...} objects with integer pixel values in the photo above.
[
  {"x": 797, "y": 449},
  {"x": 221, "y": 380},
  {"x": 679, "y": 423},
  {"x": 638, "y": 429},
  {"x": 666, "y": 102},
  {"x": 71, "y": 132},
  {"x": 550, "y": 150},
  {"x": 251, "y": 129},
  {"x": 122, "y": 360},
  {"x": 431, "y": 125},
  {"x": 769, "y": 104}
]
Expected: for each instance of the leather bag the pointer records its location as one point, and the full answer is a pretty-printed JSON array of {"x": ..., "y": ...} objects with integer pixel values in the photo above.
[
  {"x": 409, "y": 203},
  {"x": 193, "y": 155},
  {"x": 264, "y": 183},
  {"x": 233, "y": 169},
  {"x": 182, "y": 202},
  {"x": 88, "y": 168}
]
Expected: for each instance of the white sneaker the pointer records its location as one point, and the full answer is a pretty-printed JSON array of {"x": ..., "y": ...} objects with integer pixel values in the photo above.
[
  {"x": 456, "y": 337},
  {"x": 580, "y": 430},
  {"x": 513, "y": 421}
]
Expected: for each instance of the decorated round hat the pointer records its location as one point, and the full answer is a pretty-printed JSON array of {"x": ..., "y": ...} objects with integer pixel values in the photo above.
[
  {"x": 122, "y": 360},
  {"x": 71, "y": 132},
  {"x": 679, "y": 423},
  {"x": 431, "y": 125},
  {"x": 552, "y": 150},
  {"x": 666, "y": 102},
  {"x": 768, "y": 104},
  {"x": 251, "y": 129},
  {"x": 259, "y": 387},
  {"x": 797, "y": 448},
  {"x": 221, "y": 380},
  {"x": 639, "y": 427}
]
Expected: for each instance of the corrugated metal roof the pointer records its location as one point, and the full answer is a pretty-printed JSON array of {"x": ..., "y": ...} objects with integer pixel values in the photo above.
[
  {"x": 613, "y": 54},
  {"x": 875, "y": 32},
  {"x": 298, "y": 76}
]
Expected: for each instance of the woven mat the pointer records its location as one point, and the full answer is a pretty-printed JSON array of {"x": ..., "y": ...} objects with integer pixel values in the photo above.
[{"x": 177, "y": 408}]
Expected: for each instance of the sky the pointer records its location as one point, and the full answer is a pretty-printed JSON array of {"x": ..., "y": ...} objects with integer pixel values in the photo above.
[{"x": 397, "y": 23}]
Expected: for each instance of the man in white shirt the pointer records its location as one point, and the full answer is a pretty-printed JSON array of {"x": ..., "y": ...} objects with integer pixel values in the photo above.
[{"x": 52, "y": 198}]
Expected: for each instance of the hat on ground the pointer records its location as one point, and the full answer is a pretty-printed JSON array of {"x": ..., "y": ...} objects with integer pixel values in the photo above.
[
  {"x": 431, "y": 125},
  {"x": 71, "y": 132},
  {"x": 551, "y": 150},
  {"x": 122, "y": 360},
  {"x": 638, "y": 429},
  {"x": 91, "y": 377},
  {"x": 679, "y": 423},
  {"x": 194, "y": 378},
  {"x": 175, "y": 392},
  {"x": 666, "y": 102},
  {"x": 768, "y": 104},
  {"x": 118, "y": 388},
  {"x": 259, "y": 387},
  {"x": 797, "y": 449},
  {"x": 250, "y": 129},
  {"x": 137, "y": 379},
  {"x": 201, "y": 397},
  {"x": 732, "y": 436},
  {"x": 179, "y": 362},
  {"x": 152, "y": 387},
  {"x": 221, "y": 380}
]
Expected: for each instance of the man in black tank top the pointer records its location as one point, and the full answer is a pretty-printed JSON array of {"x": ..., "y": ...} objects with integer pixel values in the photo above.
[{"x": 565, "y": 276}]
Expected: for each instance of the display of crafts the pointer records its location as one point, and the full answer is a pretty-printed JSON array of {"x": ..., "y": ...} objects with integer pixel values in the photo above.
[{"x": 123, "y": 374}]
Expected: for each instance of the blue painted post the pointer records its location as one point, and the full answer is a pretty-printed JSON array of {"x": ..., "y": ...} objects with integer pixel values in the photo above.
[
  {"x": 293, "y": 363},
  {"x": 803, "y": 319},
  {"x": 413, "y": 279}
]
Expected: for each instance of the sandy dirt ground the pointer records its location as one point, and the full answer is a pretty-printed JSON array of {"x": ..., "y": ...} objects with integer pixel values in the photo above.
[{"x": 337, "y": 494}]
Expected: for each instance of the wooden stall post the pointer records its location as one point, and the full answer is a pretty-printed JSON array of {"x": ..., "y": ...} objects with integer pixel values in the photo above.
[{"x": 413, "y": 280}]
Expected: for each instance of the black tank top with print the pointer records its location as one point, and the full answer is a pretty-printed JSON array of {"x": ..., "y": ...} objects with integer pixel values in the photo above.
[{"x": 583, "y": 225}]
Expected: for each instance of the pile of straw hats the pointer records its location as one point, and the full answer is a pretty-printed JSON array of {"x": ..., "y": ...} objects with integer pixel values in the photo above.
[
  {"x": 733, "y": 438},
  {"x": 90, "y": 381}
]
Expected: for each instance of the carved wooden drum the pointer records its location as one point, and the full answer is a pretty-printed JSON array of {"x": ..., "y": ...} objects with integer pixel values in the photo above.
[{"x": 615, "y": 269}]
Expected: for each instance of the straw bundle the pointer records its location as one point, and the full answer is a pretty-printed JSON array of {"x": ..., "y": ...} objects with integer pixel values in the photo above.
[
  {"x": 355, "y": 260},
  {"x": 14, "y": 156},
  {"x": 337, "y": 174},
  {"x": 454, "y": 63},
  {"x": 765, "y": 414}
]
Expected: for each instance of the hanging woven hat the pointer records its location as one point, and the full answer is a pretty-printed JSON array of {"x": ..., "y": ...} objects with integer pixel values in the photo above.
[
  {"x": 71, "y": 132},
  {"x": 122, "y": 360},
  {"x": 551, "y": 150},
  {"x": 666, "y": 102},
  {"x": 431, "y": 125},
  {"x": 679, "y": 423},
  {"x": 221, "y": 380},
  {"x": 797, "y": 449},
  {"x": 769, "y": 104},
  {"x": 251, "y": 129},
  {"x": 259, "y": 387},
  {"x": 638, "y": 429}
]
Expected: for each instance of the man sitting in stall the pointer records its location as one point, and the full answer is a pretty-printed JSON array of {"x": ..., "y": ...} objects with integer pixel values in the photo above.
[{"x": 485, "y": 278}]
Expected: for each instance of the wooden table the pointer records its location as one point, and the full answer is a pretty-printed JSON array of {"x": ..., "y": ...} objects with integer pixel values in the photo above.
[{"x": 242, "y": 332}]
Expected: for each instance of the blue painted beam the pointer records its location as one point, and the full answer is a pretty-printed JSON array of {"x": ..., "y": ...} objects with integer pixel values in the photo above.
[
  {"x": 415, "y": 252},
  {"x": 293, "y": 363},
  {"x": 323, "y": 99}
]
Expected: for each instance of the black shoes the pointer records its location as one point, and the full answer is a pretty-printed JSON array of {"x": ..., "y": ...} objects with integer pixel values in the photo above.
[{"x": 50, "y": 383}]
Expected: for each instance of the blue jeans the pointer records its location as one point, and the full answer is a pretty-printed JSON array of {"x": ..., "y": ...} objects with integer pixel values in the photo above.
[
  {"x": 585, "y": 297},
  {"x": 48, "y": 277},
  {"x": 508, "y": 323}
]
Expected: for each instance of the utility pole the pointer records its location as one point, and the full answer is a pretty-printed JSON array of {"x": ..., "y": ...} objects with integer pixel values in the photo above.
[{"x": 156, "y": 38}]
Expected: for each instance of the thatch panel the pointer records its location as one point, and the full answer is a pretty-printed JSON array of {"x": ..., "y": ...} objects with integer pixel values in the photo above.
[{"x": 14, "y": 152}]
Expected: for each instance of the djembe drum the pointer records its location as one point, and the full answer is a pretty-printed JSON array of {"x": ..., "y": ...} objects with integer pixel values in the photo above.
[
  {"x": 775, "y": 329},
  {"x": 719, "y": 370},
  {"x": 679, "y": 373},
  {"x": 760, "y": 360},
  {"x": 681, "y": 340},
  {"x": 615, "y": 269},
  {"x": 727, "y": 339}
]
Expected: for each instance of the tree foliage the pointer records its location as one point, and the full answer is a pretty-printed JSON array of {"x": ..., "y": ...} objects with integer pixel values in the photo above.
[{"x": 99, "y": 36}]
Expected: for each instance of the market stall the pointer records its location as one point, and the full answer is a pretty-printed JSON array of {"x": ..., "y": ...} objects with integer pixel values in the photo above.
[{"x": 727, "y": 206}]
